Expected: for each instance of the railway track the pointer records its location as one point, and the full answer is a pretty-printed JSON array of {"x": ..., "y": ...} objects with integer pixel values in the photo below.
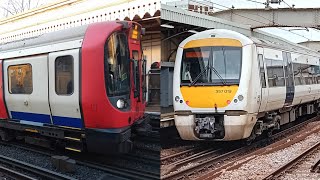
[
  {"x": 30, "y": 169},
  {"x": 290, "y": 165},
  {"x": 239, "y": 161},
  {"x": 143, "y": 155},
  {"x": 316, "y": 167},
  {"x": 184, "y": 168},
  {"x": 179, "y": 155},
  {"x": 7, "y": 173}
]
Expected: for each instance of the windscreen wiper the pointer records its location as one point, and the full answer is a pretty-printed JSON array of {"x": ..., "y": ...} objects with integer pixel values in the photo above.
[
  {"x": 205, "y": 70},
  {"x": 219, "y": 76},
  {"x": 199, "y": 75}
]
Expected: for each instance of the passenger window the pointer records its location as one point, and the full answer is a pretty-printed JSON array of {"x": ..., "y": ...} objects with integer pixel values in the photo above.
[
  {"x": 317, "y": 74},
  {"x": 20, "y": 79},
  {"x": 64, "y": 79},
  {"x": 306, "y": 74},
  {"x": 297, "y": 74},
  {"x": 314, "y": 72},
  {"x": 275, "y": 72}
]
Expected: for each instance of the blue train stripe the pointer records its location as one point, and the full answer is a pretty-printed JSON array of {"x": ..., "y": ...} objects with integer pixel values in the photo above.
[
  {"x": 40, "y": 118},
  {"x": 45, "y": 119},
  {"x": 67, "y": 121}
]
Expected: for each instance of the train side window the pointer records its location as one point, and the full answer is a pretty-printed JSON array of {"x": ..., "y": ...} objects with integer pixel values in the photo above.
[
  {"x": 306, "y": 75},
  {"x": 20, "y": 79},
  {"x": 64, "y": 84},
  {"x": 262, "y": 72},
  {"x": 317, "y": 75},
  {"x": 314, "y": 71},
  {"x": 275, "y": 72},
  {"x": 297, "y": 74}
]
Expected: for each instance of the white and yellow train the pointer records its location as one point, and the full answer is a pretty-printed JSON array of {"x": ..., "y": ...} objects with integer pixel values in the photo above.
[{"x": 228, "y": 86}]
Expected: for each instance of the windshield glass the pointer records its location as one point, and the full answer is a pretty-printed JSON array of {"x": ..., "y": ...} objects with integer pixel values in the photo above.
[
  {"x": 117, "y": 65},
  {"x": 210, "y": 63}
]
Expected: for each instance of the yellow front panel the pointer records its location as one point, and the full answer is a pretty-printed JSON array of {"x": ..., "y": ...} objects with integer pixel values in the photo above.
[
  {"x": 208, "y": 96},
  {"x": 213, "y": 42}
]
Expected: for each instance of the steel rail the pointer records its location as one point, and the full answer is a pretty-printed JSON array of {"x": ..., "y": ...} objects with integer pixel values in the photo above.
[
  {"x": 237, "y": 162},
  {"x": 274, "y": 174},
  {"x": 15, "y": 174},
  {"x": 315, "y": 167},
  {"x": 180, "y": 153},
  {"x": 39, "y": 171},
  {"x": 112, "y": 169},
  {"x": 189, "y": 170}
]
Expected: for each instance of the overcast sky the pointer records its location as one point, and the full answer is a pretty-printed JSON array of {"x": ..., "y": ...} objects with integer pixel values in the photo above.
[
  {"x": 34, "y": 3},
  {"x": 311, "y": 35}
]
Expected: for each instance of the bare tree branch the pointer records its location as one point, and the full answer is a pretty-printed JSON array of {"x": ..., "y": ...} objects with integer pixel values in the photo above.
[{"x": 18, "y": 6}]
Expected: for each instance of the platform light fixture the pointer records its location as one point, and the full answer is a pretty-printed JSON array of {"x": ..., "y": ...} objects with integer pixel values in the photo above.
[
  {"x": 167, "y": 26},
  {"x": 193, "y": 31}
]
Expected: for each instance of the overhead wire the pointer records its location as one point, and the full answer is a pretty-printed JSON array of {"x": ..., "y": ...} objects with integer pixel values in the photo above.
[
  {"x": 227, "y": 8},
  {"x": 286, "y": 4},
  {"x": 257, "y": 2},
  {"x": 257, "y": 20}
]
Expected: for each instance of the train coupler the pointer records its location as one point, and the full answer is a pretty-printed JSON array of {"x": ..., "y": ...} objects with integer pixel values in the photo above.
[
  {"x": 209, "y": 127},
  {"x": 142, "y": 126}
]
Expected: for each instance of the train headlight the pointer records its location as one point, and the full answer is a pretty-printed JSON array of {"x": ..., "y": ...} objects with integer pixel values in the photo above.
[
  {"x": 120, "y": 103},
  {"x": 240, "y": 97},
  {"x": 177, "y": 98}
]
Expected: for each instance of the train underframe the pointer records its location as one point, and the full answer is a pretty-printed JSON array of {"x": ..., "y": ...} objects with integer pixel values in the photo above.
[
  {"x": 237, "y": 125},
  {"x": 101, "y": 141}
]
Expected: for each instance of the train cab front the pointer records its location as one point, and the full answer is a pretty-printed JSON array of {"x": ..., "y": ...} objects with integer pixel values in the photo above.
[
  {"x": 111, "y": 98},
  {"x": 209, "y": 103}
]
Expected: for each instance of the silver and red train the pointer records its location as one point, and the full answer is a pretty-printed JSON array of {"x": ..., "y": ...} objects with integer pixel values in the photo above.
[{"x": 82, "y": 88}]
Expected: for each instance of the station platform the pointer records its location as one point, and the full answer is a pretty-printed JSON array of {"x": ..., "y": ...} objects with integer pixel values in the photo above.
[{"x": 167, "y": 120}]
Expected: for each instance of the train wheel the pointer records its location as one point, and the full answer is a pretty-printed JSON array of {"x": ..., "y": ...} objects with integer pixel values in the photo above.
[
  {"x": 249, "y": 140},
  {"x": 269, "y": 133}
]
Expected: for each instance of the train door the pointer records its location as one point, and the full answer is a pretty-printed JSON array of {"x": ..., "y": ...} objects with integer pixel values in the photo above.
[
  {"x": 264, "y": 90},
  {"x": 289, "y": 78},
  {"x": 64, "y": 88},
  {"x": 26, "y": 89},
  {"x": 136, "y": 64}
]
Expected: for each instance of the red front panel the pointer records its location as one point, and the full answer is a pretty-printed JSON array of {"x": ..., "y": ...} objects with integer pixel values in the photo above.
[
  {"x": 3, "y": 110},
  {"x": 98, "y": 112},
  {"x": 138, "y": 102}
]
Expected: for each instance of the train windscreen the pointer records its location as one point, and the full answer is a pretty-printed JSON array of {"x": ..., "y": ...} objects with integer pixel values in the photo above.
[
  {"x": 117, "y": 65},
  {"x": 211, "y": 66}
]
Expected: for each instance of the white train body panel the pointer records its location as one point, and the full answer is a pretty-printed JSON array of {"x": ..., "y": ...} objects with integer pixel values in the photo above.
[
  {"x": 65, "y": 109},
  {"x": 43, "y": 104},
  {"x": 238, "y": 117},
  {"x": 35, "y": 102}
]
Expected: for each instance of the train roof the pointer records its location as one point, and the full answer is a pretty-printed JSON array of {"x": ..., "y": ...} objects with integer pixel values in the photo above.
[
  {"x": 76, "y": 33},
  {"x": 288, "y": 46}
]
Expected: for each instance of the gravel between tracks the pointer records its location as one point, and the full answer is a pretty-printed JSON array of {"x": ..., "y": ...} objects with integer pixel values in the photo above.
[
  {"x": 264, "y": 164},
  {"x": 45, "y": 162},
  {"x": 302, "y": 170}
]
